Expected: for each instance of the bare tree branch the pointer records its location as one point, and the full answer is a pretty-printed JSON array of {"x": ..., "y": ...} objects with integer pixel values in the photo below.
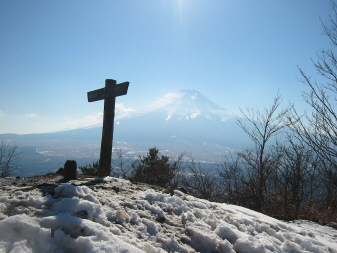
[{"x": 8, "y": 157}]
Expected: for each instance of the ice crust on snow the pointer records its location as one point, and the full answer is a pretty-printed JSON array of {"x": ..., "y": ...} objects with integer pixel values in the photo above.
[{"x": 81, "y": 219}]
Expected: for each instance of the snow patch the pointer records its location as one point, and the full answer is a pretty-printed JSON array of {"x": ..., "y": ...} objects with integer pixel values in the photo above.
[{"x": 97, "y": 219}]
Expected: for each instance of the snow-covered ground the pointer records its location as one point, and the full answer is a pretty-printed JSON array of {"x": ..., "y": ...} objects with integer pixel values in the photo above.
[{"x": 113, "y": 215}]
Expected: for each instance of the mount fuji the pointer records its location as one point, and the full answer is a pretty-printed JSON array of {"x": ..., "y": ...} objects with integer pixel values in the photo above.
[
  {"x": 185, "y": 116},
  {"x": 181, "y": 122},
  {"x": 188, "y": 104}
]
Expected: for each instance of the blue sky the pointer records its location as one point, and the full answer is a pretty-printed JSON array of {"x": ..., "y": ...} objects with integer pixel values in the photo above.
[{"x": 237, "y": 53}]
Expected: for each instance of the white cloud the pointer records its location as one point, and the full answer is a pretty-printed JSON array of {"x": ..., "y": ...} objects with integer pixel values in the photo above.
[
  {"x": 52, "y": 124},
  {"x": 31, "y": 115},
  {"x": 97, "y": 118},
  {"x": 167, "y": 99},
  {"x": 19, "y": 124},
  {"x": 88, "y": 120},
  {"x": 122, "y": 111}
]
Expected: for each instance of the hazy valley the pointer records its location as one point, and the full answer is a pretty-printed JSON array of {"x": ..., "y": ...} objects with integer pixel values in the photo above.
[{"x": 183, "y": 122}]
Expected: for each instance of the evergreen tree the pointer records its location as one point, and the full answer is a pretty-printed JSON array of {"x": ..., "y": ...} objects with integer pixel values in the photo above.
[{"x": 154, "y": 169}]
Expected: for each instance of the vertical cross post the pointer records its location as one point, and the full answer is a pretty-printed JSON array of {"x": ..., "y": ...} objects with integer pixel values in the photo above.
[{"x": 107, "y": 132}]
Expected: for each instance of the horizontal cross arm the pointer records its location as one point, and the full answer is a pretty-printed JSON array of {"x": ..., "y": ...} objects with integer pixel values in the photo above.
[
  {"x": 108, "y": 92},
  {"x": 96, "y": 95},
  {"x": 118, "y": 90}
]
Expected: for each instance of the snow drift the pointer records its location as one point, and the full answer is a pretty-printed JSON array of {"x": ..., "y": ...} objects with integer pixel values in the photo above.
[{"x": 113, "y": 215}]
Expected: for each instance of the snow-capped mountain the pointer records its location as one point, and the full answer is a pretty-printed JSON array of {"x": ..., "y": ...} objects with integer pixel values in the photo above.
[
  {"x": 185, "y": 121},
  {"x": 188, "y": 104},
  {"x": 185, "y": 116}
]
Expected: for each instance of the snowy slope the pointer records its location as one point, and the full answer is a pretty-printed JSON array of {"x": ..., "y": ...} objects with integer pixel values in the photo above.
[{"x": 113, "y": 215}]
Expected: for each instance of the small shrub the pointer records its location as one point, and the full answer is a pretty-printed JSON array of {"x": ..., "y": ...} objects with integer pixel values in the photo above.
[
  {"x": 154, "y": 169},
  {"x": 90, "y": 170}
]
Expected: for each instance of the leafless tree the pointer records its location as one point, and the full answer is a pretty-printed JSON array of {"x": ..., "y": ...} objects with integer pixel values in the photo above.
[
  {"x": 296, "y": 176},
  {"x": 8, "y": 157},
  {"x": 200, "y": 181},
  {"x": 178, "y": 165},
  {"x": 233, "y": 181},
  {"x": 327, "y": 182},
  {"x": 318, "y": 128},
  {"x": 122, "y": 163},
  {"x": 260, "y": 163}
]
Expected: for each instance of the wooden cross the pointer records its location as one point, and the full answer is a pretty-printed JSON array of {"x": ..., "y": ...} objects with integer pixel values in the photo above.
[{"x": 109, "y": 94}]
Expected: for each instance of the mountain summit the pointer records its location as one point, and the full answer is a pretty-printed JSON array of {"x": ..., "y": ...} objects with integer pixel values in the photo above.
[
  {"x": 188, "y": 104},
  {"x": 184, "y": 121}
]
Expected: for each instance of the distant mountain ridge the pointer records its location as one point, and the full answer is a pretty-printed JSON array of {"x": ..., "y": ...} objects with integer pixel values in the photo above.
[
  {"x": 185, "y": 121},
  {"x": 186, "y": 104}
]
